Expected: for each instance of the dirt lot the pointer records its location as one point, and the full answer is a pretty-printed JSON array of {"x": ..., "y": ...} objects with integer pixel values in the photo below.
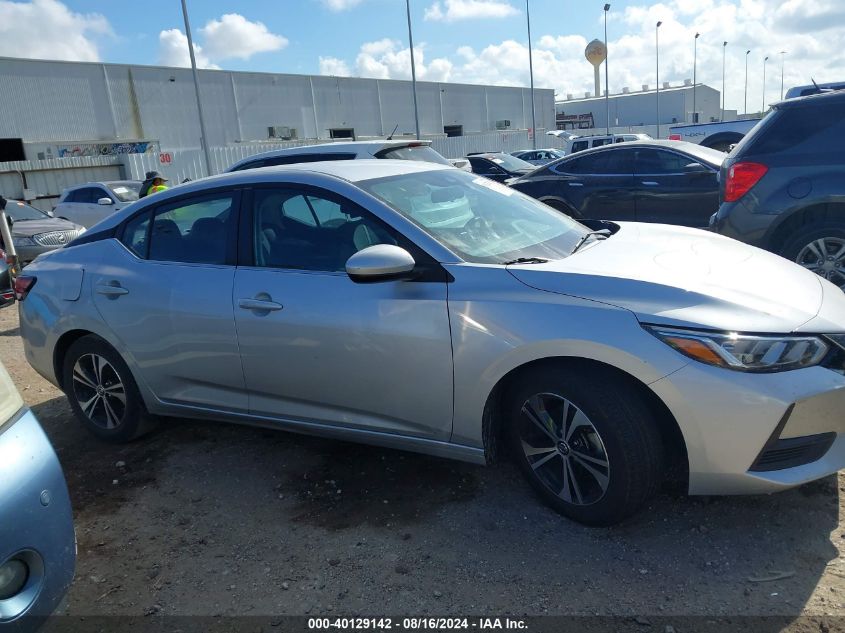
[{"x": 205, "y": 519}]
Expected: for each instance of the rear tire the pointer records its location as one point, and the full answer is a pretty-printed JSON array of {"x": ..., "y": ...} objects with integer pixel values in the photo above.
[
  {"x": 102, "y": 391},
  {"x": 820, "y": 248},
  {"x": 604, "y": 462}
]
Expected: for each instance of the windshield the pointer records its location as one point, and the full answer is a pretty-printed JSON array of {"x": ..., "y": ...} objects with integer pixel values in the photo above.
[
  {"x": 511, "y": 163},
  {"x": 126, "y": 191},
  {"x": 21, "y": 212},
  {"x": 479, "y": 219},
  {"x": 422, "y": 153}
]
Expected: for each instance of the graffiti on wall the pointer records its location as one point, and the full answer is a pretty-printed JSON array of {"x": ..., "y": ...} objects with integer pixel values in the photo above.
[{"x": 107, "y": 149}]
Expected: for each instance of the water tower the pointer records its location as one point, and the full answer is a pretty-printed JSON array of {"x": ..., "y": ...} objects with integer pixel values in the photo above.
[{"x": 596, "y": 54}]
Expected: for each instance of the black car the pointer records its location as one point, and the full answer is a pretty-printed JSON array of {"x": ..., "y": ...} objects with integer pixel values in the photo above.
[
  {"x": 499, "y": 166},
  {"x": 783, "y": 185},
  {"x": 672, "y": 182}
]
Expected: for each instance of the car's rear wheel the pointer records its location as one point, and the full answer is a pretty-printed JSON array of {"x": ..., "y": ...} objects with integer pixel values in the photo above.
[
  {"x": 821, "y": 249},
  {"x": 102, "y": 392},
  {"x": 564, "y": 208},
  {"x": 586, "y": 442}
]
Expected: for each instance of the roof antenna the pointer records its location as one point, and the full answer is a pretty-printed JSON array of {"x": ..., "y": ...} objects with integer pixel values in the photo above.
[{"x": 390, "y": 138}]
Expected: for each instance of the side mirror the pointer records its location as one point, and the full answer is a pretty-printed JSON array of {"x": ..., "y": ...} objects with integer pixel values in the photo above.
[
  {"x": 105, "y": 201},
  {"x": 382, "y": 262},
  {"x": 51, "y": 214},
  {"x": 696, "y": 168}
]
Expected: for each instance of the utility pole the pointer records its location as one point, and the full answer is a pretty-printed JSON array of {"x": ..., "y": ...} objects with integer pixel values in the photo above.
[
  {"x": 745, "y": 101},
  {"x": 782, "y": 53},
  {"x": 531, "y": 72},
  {"x": 724, "y": 48},
  {"x": 413, "y": 68},
  {"x": 763, "y": 110},
  {"x": 657, "y": 72},
  {"x": 606, "y": 88},
  {"x": 694, "y": 62},
  {"x": 203, "y": 134}
]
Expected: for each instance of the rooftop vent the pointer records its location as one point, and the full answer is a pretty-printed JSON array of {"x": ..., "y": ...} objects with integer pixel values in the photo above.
[
  {"x": 626, "y": 90},
  {"x": 645, "y": 87},
  {"x": 687, "y": 82},
  {"x": 587, "y": 95},
  {"x": 665, "y": 85},
  {"x": 569, "y": 96}
]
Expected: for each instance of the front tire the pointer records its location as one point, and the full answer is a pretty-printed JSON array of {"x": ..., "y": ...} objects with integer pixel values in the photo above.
[
  {"x": 586, "y": 441},
  {"x": 102, "y": 392},
  {"x": 820, "y": 248}
]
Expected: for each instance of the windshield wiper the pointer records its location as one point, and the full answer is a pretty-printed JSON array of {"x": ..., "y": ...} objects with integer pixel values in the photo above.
[
  {"x": 526, "y": 260},
  {"x": 603, "y": 232}
]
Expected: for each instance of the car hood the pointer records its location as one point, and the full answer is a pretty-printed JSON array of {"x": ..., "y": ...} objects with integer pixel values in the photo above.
[
  {"x": 27, "y": 228},
  {"x": 686, "y": 277}
]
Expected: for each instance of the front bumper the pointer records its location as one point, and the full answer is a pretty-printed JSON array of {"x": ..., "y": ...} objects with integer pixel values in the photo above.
[
  {"x": 28, "y": 253},
  {"x": 741, "y": 430},
  {"x": 36, "y": 523}
]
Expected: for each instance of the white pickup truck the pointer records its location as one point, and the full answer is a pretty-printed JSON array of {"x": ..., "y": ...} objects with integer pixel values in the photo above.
[{"x": 720, "y": 135}]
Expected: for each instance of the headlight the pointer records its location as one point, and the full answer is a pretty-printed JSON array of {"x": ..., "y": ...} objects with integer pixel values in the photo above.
[
  {"x": 745, "y": 352},
  {"x": 23, "y": 241}
]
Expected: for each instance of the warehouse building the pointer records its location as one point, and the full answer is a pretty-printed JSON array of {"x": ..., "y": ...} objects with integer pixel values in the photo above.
[
  {"x": 639, "y": 109},
  {"x": 56, "y": 109}
]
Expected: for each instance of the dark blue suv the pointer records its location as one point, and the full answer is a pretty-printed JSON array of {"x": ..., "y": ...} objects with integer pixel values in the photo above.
[{"x": 783, "y": 186}]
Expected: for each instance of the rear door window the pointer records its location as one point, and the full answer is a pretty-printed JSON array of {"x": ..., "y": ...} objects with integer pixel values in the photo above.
[
  {"x": 659, "y": 162},
  {"x": 604, "y": 163},
  {"x": 578, "y": 146}
]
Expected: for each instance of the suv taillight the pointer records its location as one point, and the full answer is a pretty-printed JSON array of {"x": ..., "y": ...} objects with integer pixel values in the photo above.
[
  {"x": 741, "y": 178},
  {"x": 674, "y": 137},
  {"x": 23, "y": 284}
]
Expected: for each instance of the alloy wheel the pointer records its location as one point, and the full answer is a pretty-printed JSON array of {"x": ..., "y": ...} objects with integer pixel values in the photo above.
[
  {"x": 564, "y": 449},
  {"x": 99, "y": 391},
  {"x": 825, "y": 257}
]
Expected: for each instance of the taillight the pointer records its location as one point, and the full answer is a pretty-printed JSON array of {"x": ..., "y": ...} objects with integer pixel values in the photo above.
[
  {"x": 674, "y": 137},
  {"x": 23, "y": 284},
  {"x": 7, "y": 295},
  {"x": 741, "y": 178}
]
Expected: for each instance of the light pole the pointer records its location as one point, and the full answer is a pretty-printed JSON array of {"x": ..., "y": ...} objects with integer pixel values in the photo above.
[
  {"x": 657, "y": 71},
  {"x": 413, "y": 68},
  {"x": 606, "y": 89},
  {"x": 531, "y": 71},
  {"x": 745, "y": 100},
  {"x": 724, "y": 48},
  {"x": 765, "y": 59},
  {"x": 782, "y": 53},
  {"x": 203, "y": 135},
  {"x": 694, "y": 61}
]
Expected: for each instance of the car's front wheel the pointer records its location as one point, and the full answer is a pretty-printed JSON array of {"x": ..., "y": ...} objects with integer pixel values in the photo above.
[
  {"x": 820, "y": 248},
  {"x": 102, "y": 392},
  {"x": 586, "y": 441}
]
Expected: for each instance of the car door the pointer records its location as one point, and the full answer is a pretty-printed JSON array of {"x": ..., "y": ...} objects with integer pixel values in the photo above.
[
  {"x": 165, "y": 291},
  {"x": 598, "y": 185},
  {"x": 84, "y": 208},
  {"x": 668, "y": 191},
  {"x": 318, "y": 348}
]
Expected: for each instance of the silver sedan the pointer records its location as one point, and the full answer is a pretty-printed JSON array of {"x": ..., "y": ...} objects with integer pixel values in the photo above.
[{"x": 419, "y": 307}]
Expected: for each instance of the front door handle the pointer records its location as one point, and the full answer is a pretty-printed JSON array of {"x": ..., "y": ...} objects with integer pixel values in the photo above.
[
  {"x": 650, "y": 183},
  {"x": 576, "y": 184},
  {"x": 259, "y": 305},
  {"x": 111, "y": 289}
]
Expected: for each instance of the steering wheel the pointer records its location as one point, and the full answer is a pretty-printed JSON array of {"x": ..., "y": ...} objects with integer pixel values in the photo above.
[{"x": 480, "y": 229}]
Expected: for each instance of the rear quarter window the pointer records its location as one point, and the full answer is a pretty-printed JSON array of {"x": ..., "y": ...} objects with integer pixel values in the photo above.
[{"x": 816, "y": 129}]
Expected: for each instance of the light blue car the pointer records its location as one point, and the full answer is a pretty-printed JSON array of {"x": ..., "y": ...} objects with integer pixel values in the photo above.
[{"x": 37, "y": 542}]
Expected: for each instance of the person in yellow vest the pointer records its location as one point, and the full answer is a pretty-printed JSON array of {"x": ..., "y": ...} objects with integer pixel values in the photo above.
[{"x": 158, "y": 183}]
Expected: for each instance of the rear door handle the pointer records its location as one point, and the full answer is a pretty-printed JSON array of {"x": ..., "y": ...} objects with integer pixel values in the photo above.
[
  {"x": 111, "y": 289},
  {"x": 259, "y": 305},
  {"x": 650, "y": 183},
  {"x": 576, "y": 184}
]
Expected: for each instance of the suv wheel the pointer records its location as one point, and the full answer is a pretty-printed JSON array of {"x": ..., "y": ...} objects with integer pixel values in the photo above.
[
  {"x": 821, "y": 249},
  {"x": 102, "y": 392},
  {"x": 586, "y": 442}
]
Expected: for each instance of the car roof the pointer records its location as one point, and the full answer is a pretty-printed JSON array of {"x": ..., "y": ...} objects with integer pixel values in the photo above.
[
  {"x": 337, "y": 146},
  {"x": 102, "y": 183},
  {"x": 835, "y": 96},
  {"x": 697, "y": 151}
]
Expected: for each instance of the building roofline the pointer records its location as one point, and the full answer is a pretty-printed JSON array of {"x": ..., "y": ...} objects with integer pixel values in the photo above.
[{"x": 633, "y": 93}]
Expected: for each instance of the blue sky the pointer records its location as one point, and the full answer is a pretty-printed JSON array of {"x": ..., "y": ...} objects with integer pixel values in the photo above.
[{"x": 472, "y": 41}]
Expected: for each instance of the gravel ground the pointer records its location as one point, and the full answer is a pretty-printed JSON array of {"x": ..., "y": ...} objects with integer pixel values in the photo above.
[{"x": 207, "y": 519}]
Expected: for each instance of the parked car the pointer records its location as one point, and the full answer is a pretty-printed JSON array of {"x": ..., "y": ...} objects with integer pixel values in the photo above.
[
  {"x": 499, "y": 166},
  {"x": 580, "y": 143},
  {"x": 37, "y": 541},
  {"x": 783, "y": 186},
  {"x": 646, "y": 181},
  {"x": 539, "y": 156},
  {"x": 812, "y": 89},
  {"x": 413, "y": 150},
  {"x": 7, "y": 293},
  {"x": 719, "y": 135},
  {"x": 88, "y": 203},
  {"x": 35, "y": 232},
  {"x": 420, "y": 307}
]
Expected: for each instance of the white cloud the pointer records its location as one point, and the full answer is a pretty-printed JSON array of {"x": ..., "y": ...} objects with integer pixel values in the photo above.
[
  {"x": 233, "y": 36},
  {"x": 334, "y": 67},
  {"x": 341, "y": 5},
  {"x": 454, "y": 10},
  {"x": 47, "y": 29},
  {"x": 387, "y": 59},
  {"x": 173, "y": 51}
]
